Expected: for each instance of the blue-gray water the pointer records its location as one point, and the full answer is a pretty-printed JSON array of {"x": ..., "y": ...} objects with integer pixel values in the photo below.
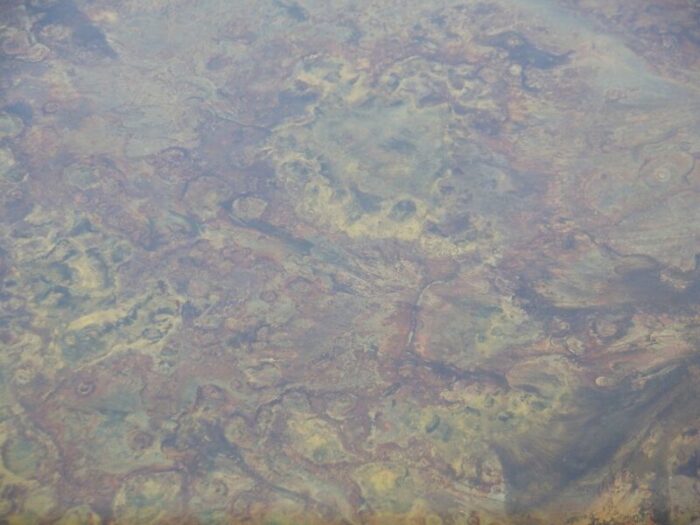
[{"x": 305, "y": 262}]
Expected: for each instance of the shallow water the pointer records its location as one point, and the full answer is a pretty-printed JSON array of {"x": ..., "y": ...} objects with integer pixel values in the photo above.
[{"x": 336, "y": 262}]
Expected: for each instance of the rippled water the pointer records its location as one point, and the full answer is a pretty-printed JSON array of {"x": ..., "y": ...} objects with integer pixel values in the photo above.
[{"x": 294, "y": 261}]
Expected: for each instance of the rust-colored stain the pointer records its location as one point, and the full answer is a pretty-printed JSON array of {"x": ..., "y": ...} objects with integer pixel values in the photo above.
[{"x": 304, "y": 262}]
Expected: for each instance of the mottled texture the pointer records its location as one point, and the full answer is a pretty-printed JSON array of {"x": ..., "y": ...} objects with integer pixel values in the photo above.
[{"x": 338, "y": 262}]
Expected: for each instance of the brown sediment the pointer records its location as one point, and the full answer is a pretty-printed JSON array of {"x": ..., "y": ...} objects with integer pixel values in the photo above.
[{"x": 418, "y": 263}]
